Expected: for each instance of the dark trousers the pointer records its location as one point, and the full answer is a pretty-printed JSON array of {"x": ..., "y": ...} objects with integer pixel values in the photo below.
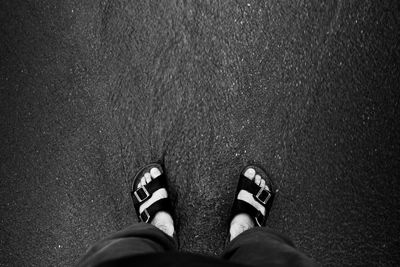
[{"x": 145, "y": 245}]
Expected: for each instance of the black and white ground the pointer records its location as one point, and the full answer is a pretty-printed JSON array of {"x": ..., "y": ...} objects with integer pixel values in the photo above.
[{"x": 90, "y": 91}]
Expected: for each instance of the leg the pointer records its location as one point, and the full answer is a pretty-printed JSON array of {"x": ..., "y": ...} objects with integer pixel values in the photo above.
[
  {"x": 261, "y": 246},
  {"x": 141, "y": 238}
]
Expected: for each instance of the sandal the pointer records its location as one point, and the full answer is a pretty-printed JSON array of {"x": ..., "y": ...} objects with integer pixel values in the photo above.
[
  {"x": 261, "y": 195},
  {"x": 142, "y": 194}
]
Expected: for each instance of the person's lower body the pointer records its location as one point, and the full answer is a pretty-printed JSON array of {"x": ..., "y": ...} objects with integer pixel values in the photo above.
[
  {"x": 138, "y": 239},
  {"x": 153, "y": 242},
  {"x": 262, "y": 246},
  {"x": 259, "y": 246}
]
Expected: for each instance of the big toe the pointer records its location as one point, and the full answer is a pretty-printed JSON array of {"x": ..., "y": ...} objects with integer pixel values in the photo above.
[
  {"x": 155, "y": 172},
  {"x": 250, "y": 173}
]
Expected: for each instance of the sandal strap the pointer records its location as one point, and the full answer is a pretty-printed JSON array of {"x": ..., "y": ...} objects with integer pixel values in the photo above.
[
  {"x": 148, "y": 214},
  {"x": 145, "y": 192},
  {"x": 240, "y": 206},
  {"x": 261, "y": 195}
]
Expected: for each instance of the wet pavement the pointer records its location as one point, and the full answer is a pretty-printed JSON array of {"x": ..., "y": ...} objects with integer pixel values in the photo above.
[{"x": 90, "y": 92}]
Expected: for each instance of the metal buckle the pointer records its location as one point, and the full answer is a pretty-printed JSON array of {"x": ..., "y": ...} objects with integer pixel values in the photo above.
[
  {"x": 266, "y": 198},
  {"x": 137, "y": 195},
  {"x": 147, "y": 216}
]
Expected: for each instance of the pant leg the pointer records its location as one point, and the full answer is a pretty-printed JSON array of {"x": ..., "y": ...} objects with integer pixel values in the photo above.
[
  {"x": 260, "y": 246},
  {"x": 141, "y": 238}
]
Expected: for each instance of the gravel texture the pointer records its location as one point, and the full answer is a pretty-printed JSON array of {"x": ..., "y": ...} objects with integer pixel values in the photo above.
[{"x": 90, "y": 91}]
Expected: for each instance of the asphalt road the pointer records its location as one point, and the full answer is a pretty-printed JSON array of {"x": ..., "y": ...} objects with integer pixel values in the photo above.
[{"x": 90, "y": 91}]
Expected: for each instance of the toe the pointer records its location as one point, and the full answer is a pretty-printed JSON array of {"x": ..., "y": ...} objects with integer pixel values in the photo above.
[
  {"x": 249, "y": 173},
  {"x": 155, "y": 172},
  {"x": 267, "y": 188},
  {"x": 257, "y": 180},
  {"x": 142, "y": 181},
  {"x": 147, "y": 176},
  {"x": 262, "y": 184}
]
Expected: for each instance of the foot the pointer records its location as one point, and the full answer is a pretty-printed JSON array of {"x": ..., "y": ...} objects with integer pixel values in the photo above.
[
  {"x": 162, "y": 220},
  {"x": 242, "y": 221}
]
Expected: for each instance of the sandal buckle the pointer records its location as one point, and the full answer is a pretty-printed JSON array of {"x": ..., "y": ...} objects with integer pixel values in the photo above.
[
  {"x": 263, "y": 195},
  {"x": 140, "y": 191},
  {"x": 147, "y": 218}
]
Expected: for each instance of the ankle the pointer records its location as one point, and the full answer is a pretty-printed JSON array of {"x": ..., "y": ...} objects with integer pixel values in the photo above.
[
  {"x": 163, "y": 221},
  {"x": 240, "y": 223},
  {"x": 166, "y": 228}
]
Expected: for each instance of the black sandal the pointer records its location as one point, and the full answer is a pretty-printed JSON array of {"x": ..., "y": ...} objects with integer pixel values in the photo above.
[
  {"x": 261, "y": 195},
  {"x": 144, "y": 193}
]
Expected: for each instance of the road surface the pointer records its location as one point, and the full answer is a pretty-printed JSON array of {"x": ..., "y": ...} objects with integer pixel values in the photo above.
[{"x": 90, "y": 91}]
